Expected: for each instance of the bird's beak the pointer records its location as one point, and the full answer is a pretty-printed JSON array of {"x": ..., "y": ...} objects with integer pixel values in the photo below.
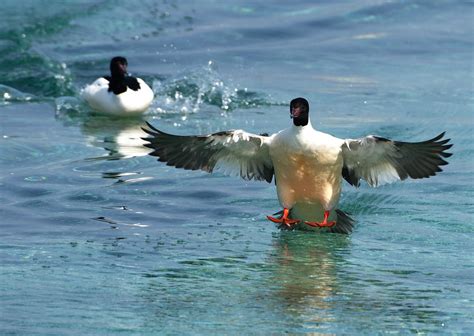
[
  {"x": 123, "y": 67},
  {"x": 295, "y": 112}
]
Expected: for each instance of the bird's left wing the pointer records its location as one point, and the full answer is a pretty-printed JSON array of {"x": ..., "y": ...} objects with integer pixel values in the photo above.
[
  {"x": 230, "y": 152},
  {"x": 378, "y": 160}
]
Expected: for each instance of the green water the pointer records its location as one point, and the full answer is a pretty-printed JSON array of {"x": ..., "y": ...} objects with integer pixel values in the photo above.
[{"x": 96, "y": 238}]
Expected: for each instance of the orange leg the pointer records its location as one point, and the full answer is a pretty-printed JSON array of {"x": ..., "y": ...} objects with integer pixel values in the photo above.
[
  {"x": 284, "y": 220},
  {"x": 324, "y": 223}
]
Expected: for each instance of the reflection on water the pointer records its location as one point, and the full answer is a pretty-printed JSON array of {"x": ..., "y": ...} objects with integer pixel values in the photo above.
[
  {"x": 306, "y": 274},
  {"x": 120, "y": 137},
  {"x": 317, "y": 279},
  {"x": 127, "y": 142}
]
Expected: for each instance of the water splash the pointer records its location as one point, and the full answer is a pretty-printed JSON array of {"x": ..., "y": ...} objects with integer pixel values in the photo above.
[
  {"x": 188, "y": 93},
  {"x": 10, "y": 95}
]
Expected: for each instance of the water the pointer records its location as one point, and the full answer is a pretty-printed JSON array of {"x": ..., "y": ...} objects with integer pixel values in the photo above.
[{"x": 98, "y": 238}]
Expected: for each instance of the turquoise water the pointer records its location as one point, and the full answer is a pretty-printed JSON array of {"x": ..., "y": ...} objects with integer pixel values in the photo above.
[{"x": 96, "y": 238}]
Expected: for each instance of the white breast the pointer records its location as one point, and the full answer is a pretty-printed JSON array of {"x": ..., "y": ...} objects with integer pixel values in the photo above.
[
  {"x": 101, "y": 99},
  {"x": 308, "y": 167}
]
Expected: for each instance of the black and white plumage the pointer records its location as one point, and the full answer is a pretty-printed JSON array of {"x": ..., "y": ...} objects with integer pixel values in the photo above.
[
  {"x": 378, "y": 160},
  {"x": 308, "y": 165},
  {"x": 119, "y": 93},
  {"x": 231, "y": 152}
]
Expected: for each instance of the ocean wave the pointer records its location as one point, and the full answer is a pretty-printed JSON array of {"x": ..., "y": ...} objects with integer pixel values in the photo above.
[
  {"x": 26, "y": 69},
  {"x": 10, "y": 95}
]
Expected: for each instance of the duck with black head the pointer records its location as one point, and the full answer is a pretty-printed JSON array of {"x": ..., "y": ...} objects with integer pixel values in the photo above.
[
  {"x": 308, "y": 165},
  {"x": 119, "y": 93}
]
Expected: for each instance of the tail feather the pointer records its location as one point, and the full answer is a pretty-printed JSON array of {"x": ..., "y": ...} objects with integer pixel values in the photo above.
[{"x": 344, "y": 223}]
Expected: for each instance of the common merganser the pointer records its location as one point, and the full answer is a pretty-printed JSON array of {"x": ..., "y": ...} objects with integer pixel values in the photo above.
[
  {"x": 118, "y": 94},
  {"x": 308, "y": 165}
]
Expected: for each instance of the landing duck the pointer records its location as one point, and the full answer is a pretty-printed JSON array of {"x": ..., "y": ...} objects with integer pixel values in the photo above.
[{"x": 308, "y": 166}]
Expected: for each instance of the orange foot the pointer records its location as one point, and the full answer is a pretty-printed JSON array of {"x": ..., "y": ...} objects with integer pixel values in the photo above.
[
  {"x": 324, "y": 223},
  {"x": 284, "y": 220}
]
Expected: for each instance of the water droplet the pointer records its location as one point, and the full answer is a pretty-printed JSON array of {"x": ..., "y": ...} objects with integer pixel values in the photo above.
[{"x": 35, "y": 178}]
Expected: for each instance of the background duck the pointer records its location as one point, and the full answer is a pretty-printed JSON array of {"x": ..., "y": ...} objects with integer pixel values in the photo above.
[{"x": 119, "y": 93}]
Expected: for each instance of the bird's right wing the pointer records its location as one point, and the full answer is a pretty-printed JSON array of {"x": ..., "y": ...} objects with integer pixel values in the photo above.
[
  {"x": 378, "y": 160},
  {"x": 230, "y": 152}
]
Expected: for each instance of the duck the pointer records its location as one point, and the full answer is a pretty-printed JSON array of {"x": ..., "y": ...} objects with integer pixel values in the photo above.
[
  {"x": 307, "y": 166},
  {"x": 119, "y": 93}
]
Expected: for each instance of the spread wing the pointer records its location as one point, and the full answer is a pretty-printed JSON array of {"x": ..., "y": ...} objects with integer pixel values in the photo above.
[
  {"x": 379, "y": 160},
  {"x": 230, "y": 152}
]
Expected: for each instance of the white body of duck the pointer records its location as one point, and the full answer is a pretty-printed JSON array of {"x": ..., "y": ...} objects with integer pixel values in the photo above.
[
  {"x": 308, "y": 167},
  {"x": 118, "y": 94}
]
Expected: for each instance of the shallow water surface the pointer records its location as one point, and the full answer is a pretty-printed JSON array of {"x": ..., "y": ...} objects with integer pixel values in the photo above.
[{"x": 98, "y": 238}]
